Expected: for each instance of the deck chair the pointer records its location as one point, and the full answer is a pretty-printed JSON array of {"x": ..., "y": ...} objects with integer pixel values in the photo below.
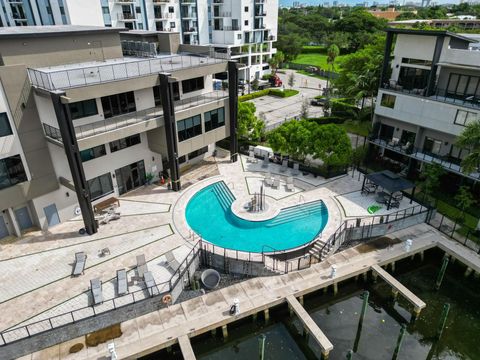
[
  {"x": 150, "y": 283},
  {"x": 268, "y": 180},
  {"x": 96, "y": 289},
  {"x": 79, "y": 265},
  {"x": 296, "y": 167},
  {"x": 290, "y": 186},
  {"x": 276, "y": 183},
  {"x": 171, "y": 264},
  {"x": 122, "y": 284},
  {"x": 141, "y": 265},
  {"x": 265, "y": 163},
  {"x": 284, "y": 166}
]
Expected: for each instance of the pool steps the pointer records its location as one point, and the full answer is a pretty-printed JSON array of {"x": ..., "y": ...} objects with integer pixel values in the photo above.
[{"x": 224, "y": 195}]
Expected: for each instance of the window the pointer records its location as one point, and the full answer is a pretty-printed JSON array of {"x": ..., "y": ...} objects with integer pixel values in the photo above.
[
  {"x": 214, "y": 119},
  {"x": 246, "y": 22},
  {"x": 105, "y": 10},
  {"x": 118, "y": 104},
  {"x": 182, "y": 159},
  {"x": 464, "y": 118},
  {"x": 93, "y": 153},
  {"x": 171, "y": 9},
  {"x": 388, "y": 100},
  {"x": 138, "y": 10},
  {"x": 432, "y": 146},
  {"x": 417, "y": 62},
  {"x": 125, "y": 143},
  {"x": 189, "y": 128},
  {"x": 140, "y": 26},
  {"x": 413, "y": 78},
  {"x": 83, "y": 109},
  {"x": 246, "y": 8},
  {"x": 192, "y": 85},
  {"x": 157, "y": 96},
  {"x": 198, "y": 152},
  {"x": 11, "y": 171},
  {"x": 172, "y": 25},
  {"x": 100, "y": 186},
  {"x": 239, "y": 36},
  {"x": 464, "y": 87},
  {"x": 5, "y": 128}
]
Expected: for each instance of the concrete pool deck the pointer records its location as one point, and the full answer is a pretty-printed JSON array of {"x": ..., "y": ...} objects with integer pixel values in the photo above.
[
  {"x": 162, "y": 328},
  {"x": 35, "y": 270}
]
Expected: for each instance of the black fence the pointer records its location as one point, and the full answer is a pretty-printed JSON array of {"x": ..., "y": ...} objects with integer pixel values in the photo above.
[{"x": 312, "y": 70}]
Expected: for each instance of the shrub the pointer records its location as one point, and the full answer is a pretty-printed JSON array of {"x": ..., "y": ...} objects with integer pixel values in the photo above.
[
  {"x": 328, "y": 120},
  {"x": 253, "y": 95},
  {"x": 341, "y": 108},
  {"x": 283, "y": 93}
]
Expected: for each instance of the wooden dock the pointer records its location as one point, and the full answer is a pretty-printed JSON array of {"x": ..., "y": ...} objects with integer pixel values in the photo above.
[
  {"x": 310, "y": 325},
  {"x": 417, "y": 303},
  {"x": 186, "y": 348}
]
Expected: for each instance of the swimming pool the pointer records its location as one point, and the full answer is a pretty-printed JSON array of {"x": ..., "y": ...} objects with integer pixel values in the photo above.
[{"x": 208, "y": 214}]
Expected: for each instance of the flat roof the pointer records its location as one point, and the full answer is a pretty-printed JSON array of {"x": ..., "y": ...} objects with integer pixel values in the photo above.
[
  {"x": 390, "y": 181},
  {"x": 146, "y": 32},
  {"x": 53, "y": 30},
  {"x": 429, "y": 33}
]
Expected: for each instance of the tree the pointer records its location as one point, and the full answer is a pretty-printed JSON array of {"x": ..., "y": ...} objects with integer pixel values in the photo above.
[
  {"x": 291, "y": 138},
  {"x": 290, "y": 45},
  {"x": 331, "y": 144},
  {"x": 464, "y": 200},
  {"x": 470, "y": 139},
  {"x": 276, "y": 61},
  {"x": 249, "y": 126},
  {"x": 332, "y": 53},
  {"x": 304, "y": 109},
  {"x": 291, "y": 79},
  {"x": 431, "y": 179}
]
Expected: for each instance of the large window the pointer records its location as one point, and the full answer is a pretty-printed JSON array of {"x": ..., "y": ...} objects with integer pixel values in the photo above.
[
  {"x": 214, "y": 119},
  {"x": 93, "y": 153},
  {"x": 413, "y": 78},
  {"x": 125, "y": 143},
  {"x": 189, "y": 128},
  {"x": 388, "y": 100},
  {"x": 11, "y": 171},
  {"x": 464, "y": 118},
  {"x": 5, "y": 128},
  {"x": 192, "y": 85},
  {"x": 157, "y": 96},
  {"x": 100, "y": 186},
  {"x": 83, "y": 109},
  {"x": 198, "y": 152},
  {"x": 463, "y": 87},
  {"x": 118, "y": 104}
]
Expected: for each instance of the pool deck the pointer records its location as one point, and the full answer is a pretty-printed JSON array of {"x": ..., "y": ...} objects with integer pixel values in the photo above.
[{"x": 163, "y": 328}]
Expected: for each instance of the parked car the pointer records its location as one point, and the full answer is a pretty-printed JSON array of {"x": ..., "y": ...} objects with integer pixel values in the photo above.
[{"x": 318, "y": 102}]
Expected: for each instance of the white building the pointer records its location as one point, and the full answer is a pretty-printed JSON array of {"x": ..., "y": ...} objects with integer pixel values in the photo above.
[{"x": 430, "y": 91}]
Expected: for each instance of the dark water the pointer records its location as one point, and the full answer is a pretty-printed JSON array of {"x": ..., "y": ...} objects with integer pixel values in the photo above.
[{"x": 338, "y": 317}]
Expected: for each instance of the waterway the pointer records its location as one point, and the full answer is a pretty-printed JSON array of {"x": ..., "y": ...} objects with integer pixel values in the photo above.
[{"x": 338, "y": 316}]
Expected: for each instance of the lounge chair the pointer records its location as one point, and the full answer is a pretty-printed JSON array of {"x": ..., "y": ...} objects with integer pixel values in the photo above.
[
  {"x": 171, "y": 264},
  {"x": 150, "y": 284},
  {"x": 79, "y": 265},
  {"x": 251, "y": 157},
  {"x": 276, "y": 183},
  {"x": 122, "y": 284},
  {"x": 268, "y": 180},
  {"x": 290, "y": 186},
  {"x": 266, "y": 162},
  {"x": 369, "y": 189},
  {"x": 141, "y": 265},
  {"x": 96, "y": 289},
  {"x": 284, "y": 166},
  {"x": 296, "y": 167}
]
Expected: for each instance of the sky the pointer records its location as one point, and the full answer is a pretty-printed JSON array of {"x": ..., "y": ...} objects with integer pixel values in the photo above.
[{"x": 353, "y": 2}]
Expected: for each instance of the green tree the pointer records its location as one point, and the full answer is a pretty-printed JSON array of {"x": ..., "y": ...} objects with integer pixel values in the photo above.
[
  {"x": 464, "y": 200},
  {"x": 332, "y": 52},
  {"x": 331, "y": 144},
  {"x": 292, "y": 138},
  {"x": 291, "y": 79},
  {"x": 470, "y": 139},
  {"x": 304, "y": 109},
  {"x": 290, "y": 45},
  {"x": 276, "y": 61},
  {"x": 249, "y": 126},
  {"x": 431, "y": 179}
]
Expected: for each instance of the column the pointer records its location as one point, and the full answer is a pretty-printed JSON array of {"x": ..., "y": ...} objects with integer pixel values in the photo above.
[
  {"x": 166, "y": 93},
  {"x": 233, "y": 108},
  {"x": 433, "y": 70},
  {"x": 72, "y": 152},
  {"x": 386, "y": 58}
]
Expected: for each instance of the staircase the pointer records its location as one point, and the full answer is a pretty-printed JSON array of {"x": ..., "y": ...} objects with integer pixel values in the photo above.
[
  {"x": 298, "y": 212},
  {"x": 224, "y": 195}
]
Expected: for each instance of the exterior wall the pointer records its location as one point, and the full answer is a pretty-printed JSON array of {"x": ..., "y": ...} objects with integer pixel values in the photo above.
[{"x": 84, "y": 12}]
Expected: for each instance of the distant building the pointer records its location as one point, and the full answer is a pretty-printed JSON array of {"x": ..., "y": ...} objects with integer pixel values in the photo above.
[
  {"x": 389, "y": 14},
  {"x": 467, "y": 24}
]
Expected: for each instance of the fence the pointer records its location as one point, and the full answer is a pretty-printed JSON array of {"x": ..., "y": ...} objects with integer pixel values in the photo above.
[
  {"x": 113, "y": 310},
  {"x": 313, "y": 70}
]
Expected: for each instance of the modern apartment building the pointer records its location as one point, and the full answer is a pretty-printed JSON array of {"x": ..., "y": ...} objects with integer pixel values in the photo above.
[
  {"x": 87, "y": 113},
  {"x": 430, "y": 90},
  {"x": 242, "y": 30}
]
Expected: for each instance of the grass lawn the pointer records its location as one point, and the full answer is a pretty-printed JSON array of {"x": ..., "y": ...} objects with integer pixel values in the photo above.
[
  {"x": 318, "y": 60},
  {"x": 303, "y": 72}
]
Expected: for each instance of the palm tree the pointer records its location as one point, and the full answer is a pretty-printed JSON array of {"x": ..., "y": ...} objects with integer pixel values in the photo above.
[
  {"x": 470, "y": 139},
  {"x": 276, "y": 61},
  {"x": 332, "y": 52}
]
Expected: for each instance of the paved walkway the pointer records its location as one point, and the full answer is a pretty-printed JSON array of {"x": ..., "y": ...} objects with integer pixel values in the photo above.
[{"x": 162, "y": 328}]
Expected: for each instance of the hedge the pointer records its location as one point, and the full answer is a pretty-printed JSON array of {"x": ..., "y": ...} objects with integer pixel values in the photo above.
[
  {"x": 328, "y": 120},
  {"x": 274, "y": 92},
  {"x": 283, "y": 93}
]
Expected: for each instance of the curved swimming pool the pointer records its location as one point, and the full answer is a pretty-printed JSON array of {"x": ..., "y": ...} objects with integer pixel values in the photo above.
[{"x": 208, "y": 213}]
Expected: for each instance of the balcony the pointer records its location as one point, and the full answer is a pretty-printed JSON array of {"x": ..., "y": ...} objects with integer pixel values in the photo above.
[
  {"x": 124, "y": 2},
  {"x": 126, "y": 17},
  {"x": 190, "y": 30},
  {"x": 189, "y": 15},
  {"x": 160, "y": 2},
  {"x": 222, "y": 14},
  {"x": 78, "y": 75},
  {"x": 142, "y": 116},
  {"x": 447, "y": 162},
  {"x": 218, "y": 1},
  {"x": 260, "y": 13}
]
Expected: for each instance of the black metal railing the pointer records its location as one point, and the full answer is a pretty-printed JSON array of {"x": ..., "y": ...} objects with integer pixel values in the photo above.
[{"x": 113, "y": 304}]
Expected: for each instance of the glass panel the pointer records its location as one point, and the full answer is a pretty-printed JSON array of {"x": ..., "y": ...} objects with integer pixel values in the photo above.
[
  {"x": 115, "y": 105},
  {"x": 461, "y": 117},
  {"x": 123, "y": 103},
  {"x": 107, "y": 109},
  {"x": 5, "y": 128}
]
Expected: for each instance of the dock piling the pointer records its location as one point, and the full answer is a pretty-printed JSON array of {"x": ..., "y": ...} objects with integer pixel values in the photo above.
[
  {"x": 399, "y": 341},
  {"x": 266, "y": 313},
  {"x": 468, "y": 272},
  {"x": 349, "y": 354},
  {"x": 366, "y": 295},
  {"x": 225, "y": 332},
  {"x": 261, "y": 346},
  {"x": 443, "y": 320},
  {"x": 438, "y": 283}
]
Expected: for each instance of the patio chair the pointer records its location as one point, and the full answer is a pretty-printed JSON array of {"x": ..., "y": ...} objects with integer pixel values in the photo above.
[
  {"x": 369, "y": 189},
  {"x": 276, "y": 183},
  {"x": 284, "y": 166},
  {"x": 79, "y": 265},
  {"x": 171, "y": 264},
  {"x": 266, "y": 162},
  {"x": 296, "y": 171},
  {"x": 398, "y": 196},
  {"x": 251, "y": 157},
  {"x": 150, "y": 284},
  {"x": 289, "y": 185},
  {"x": 268, "y": 180},
  {"x": 122, "y": 284},
  {"x": 141, "y": 265},
  {"x": 96, "y": 289}
]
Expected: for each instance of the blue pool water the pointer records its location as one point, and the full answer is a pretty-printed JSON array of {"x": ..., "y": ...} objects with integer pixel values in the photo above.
[{"x": 208, "y": 214}]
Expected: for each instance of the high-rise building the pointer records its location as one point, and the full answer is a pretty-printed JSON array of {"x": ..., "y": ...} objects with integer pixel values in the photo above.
[{"x": 242, "y": 30}]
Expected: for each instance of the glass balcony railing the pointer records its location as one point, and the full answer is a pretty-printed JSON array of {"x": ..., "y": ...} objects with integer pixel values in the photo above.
[{"x": 121, "y": 121}]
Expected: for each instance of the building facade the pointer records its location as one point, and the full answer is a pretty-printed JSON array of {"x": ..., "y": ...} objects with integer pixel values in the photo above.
[
  {"x": 83, "y": 117},
  {"x": 430, "y": 90}
]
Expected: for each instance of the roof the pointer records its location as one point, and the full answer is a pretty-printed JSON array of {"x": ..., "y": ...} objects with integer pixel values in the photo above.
[
  {"x": 390, "y": 181},
  {"x": 429, "y": 33},
  {"x": 52, "y": 30},
  {"x": 146, "y": 32}
]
